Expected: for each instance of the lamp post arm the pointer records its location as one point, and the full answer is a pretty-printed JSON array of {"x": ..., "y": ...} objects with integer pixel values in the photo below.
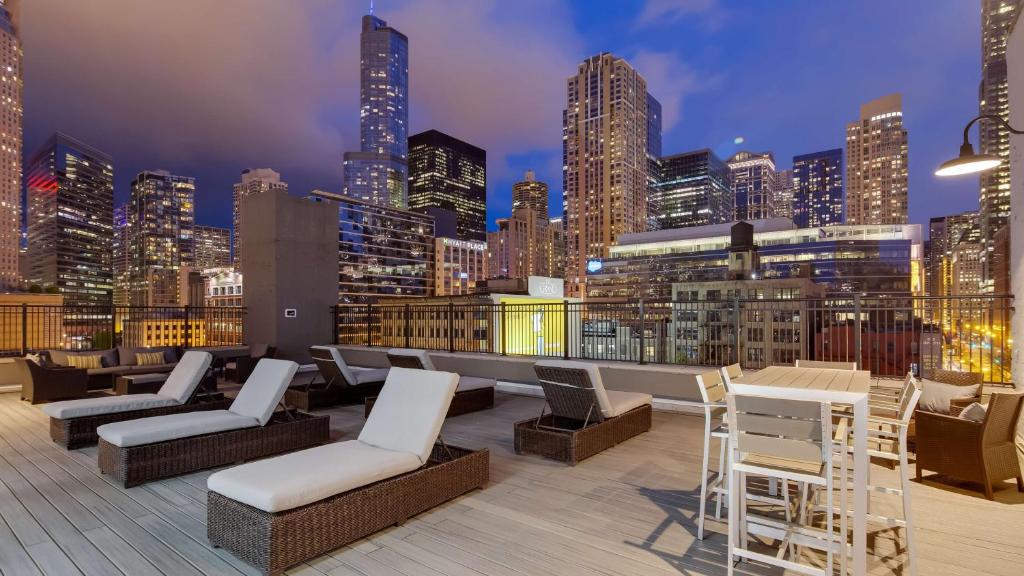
[{"x": 999, "y": 119}]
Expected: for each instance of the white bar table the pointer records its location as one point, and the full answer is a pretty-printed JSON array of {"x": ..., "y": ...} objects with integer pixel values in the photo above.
[{"x": 839, "y": 387}]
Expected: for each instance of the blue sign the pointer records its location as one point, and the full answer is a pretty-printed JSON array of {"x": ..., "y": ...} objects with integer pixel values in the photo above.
[{"x": 594, "y": 266}]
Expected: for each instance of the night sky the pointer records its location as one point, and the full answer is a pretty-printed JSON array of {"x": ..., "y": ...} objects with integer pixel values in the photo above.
[{"x": 206, "y": 88}]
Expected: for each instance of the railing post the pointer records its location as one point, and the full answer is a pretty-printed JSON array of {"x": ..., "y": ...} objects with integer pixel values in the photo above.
[
  {"x": 113, "y": 325},
  {"x": 643, "y": 329},
  {"x": 408, "y": 326},
  {"x": 501, "y": 328},
  {"x": 734, "y": 358},
  {"x": 565, "y": 329},
  {"x": 24, "y": 329},
  {"x": 856, "y": 330},
  {"x": 188, "y": 328},
  {"x": 369, "y": 324},
  {"x": 451, "y": 326}
]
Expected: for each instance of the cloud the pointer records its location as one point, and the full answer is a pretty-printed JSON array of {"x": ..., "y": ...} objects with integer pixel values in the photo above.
[
  {"x": 658, "y": 13},
  {"x": 671, "y": 80}
]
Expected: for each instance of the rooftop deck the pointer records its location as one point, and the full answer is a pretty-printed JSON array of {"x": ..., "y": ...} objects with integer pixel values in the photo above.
[{"x": 629, "y": 510}]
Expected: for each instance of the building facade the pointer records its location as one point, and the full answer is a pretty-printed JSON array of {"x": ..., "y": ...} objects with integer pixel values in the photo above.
[
  {"x": 524, "y": 245},
  {"x": 254, "y": 181},
  {"x": 945, "y": 233},
  {"x": 752, "y": 176},
  {"x": 785, "y": 193},
  {"x": 458, "y": 266},
  {"x": 212, "y": 247},
  {"x": 378, "y": 172},
  {"x": 818, "y": 199},
  {"x": 604, "y": 156},
  {"x": 876, "y": 164},
  {"x": 531, "y": 193},
  {"x": 70, "y": 190},
  {"x": 449, "y": 174},
  {"x": 694, "y": 189},
  {"x": 11, "y": 135},
  {"x": 162, "y": 221},
  {"x": 122, "y": 256}
]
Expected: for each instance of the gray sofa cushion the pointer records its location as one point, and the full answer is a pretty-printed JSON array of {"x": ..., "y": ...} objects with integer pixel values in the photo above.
[
  {"x": 126, "y": 356},
  {"x": 107, "y": 370},
  {"x": 60, "y": 357}
]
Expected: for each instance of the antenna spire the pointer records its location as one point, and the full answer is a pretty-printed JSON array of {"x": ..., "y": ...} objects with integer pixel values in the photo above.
[{"x": 371, "y": 7}]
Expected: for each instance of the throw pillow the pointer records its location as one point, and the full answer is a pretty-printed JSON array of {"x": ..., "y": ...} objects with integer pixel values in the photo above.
[
  {"x": 85, "y": 360},
  {"x": 936, "y": 396},
  {"x": 975, "y": 413},
  {"x": 149, "y": 358},
  {"x": 37, "y": 358}
]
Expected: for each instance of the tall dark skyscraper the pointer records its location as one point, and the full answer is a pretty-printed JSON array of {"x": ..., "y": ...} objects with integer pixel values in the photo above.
[
  {"x": 752, "y": 175},
  {"x": 693, "y": 190},
  {"x": 449, "y": 174},
  {"x": 653, "y": 158},
  {"x": 378, "y": 172},
  {"x": 819, "y": 199},
  {"x": 70, "y": 191},
  {"x": 11, "y": 112},
  {"x": 162, "y": 221}
]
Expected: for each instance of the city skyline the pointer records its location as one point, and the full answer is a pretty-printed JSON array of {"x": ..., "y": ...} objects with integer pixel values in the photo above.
[{"x": 694, "y": 79}]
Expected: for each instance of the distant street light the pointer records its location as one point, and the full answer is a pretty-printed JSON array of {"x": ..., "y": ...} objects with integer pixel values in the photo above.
[{"x": 968, "y": 162}]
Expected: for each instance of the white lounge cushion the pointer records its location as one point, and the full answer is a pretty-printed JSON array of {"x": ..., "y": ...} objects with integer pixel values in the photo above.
[
  {"x": 172, "y": 427},
  {"x": 595, "y": 380},
  {"x": 346, "y": 372},
  {"x": 371, "y": 375},
  {"x": 186, "y": 376},
  {"x": 474, "y": 383},
  {"x": 410, "y": 410},
  {"x": 422, "y": 355},
  {"x": 264, "y": 388},
  {"x": 105, "y": 405},
  {"x": 307, "y": 476},
  {"x": 623, "y": 402}
]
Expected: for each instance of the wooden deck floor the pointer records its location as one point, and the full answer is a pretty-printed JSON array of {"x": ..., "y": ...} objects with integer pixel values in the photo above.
[{"x": 627, "y": 511}]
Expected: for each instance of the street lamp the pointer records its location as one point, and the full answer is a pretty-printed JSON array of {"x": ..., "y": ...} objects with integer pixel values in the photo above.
[{"x": 968, "y": 162}]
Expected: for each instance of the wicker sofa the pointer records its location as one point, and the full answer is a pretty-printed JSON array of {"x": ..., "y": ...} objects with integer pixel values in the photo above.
[
  {"x": 45, "y": 384},
  {"x": 116, "y": 362}
]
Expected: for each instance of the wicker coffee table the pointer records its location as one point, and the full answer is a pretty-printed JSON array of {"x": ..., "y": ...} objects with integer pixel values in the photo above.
[{"x": 139, "y": 383}]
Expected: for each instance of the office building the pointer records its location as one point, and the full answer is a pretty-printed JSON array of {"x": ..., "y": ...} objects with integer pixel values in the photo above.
[
  {"x": 752, "y": 176},
  {"x": 605, "y": 166},
  {"x": 523, "y": 246},
  {"x": 382, "y": 251},
  {"x": 997, "y": 20},
  {"x": 447, "y": 173},
  {"x": 556, "y": 255},
  {"x": 876, "y": 164},
  {"x": 162, "y": 217},
  {"x": 122, "y": 256},
  {"x": 945, "y": 233},
  {"x": 11, "y": 114},
  {"x": 458, "y": 266},
  {"x": 785, "y": 193},
  {"x": 653, "y": 158},
  {"x": 694, "y": 189},
  {"x": 377, "y": 173},
  {"x": 818, "y": 199},
  {"x": 254, "y": 181},
  {"x": 212, "y": 247},
  {"x": 531, "y": 193},
  {"x": 69, "y": 187}
]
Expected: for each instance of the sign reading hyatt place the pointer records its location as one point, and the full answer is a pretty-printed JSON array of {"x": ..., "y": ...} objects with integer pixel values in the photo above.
[{"x": 544, "y": 287}]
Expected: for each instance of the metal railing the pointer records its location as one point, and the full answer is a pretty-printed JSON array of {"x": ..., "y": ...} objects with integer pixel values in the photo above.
[
  {"x": 887, "y": 335},
  {"x": 27, "y": 328}
]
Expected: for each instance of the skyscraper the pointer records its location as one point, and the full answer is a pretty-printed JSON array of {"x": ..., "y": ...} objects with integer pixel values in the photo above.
[
  {"x": 378, "y": 172},
  {"x": 785, "y": 192},
  {"x": 605, "y": 165},
  {"x": 693, "y": 190},
  {"x": 11, "y": 112},
  {"x": 521, "y": 246},
  {"x": 121, "y": 250},
  {"x": 531, "y": 193},
  {"x": 447, "y": 173},
  {"x": 254, "y": 181},
  {"x": 162, "y": 217},
  {"x": 653, "y": 158},
  {"x": 945, "y": 233},
  {"x": 752, "y": 175},
  {"x": 876, "y": 164},
  {"x": 818, "y": 179},
  {"x": 997, "y": 18},
  {"x": 70, "y": 191},
  {"x": 212, "y": 247}
]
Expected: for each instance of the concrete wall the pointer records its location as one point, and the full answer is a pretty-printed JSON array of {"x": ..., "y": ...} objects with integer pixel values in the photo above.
[
  {"x": 290, "y": 258},
  {"x": 1015, "y": 73}
]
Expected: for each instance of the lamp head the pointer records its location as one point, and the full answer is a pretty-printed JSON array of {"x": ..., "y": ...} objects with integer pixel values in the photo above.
[{"x": 968, "y": 162}]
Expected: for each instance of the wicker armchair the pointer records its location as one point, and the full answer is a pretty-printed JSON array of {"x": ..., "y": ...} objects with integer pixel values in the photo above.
[
  {"x": 959, "y": 379},
  {"x": 983, "y": 452},
  {"x": 40, "y": 384}
]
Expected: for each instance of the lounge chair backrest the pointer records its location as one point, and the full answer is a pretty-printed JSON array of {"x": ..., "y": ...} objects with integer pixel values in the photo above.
[
  {"x": 826, "y": 365},
  {"x": 731, "y": 372},
  {"x": 410, "y": 358},
  {"x": 909, "y": 396},
  {"x": 408, "y": 414},
  {"x": 183, "y": 380},
  {"x": 1001, "y": 416},
  {"x": 332, "y": 366},
  {"x": 712, "y": 386},
  {"x": 780, "y": 427},
  {"x": 263, "y": 391},
  {"x": 572, "y": 389}
]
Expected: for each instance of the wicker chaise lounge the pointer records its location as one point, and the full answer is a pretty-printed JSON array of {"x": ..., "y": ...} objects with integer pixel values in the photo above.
[
  {"x": 281, "y": 511},
  {"x": 585, "y": 419},
  {"x": 472, "y": 394},
  {"x": 341, "y": 385},
  {"x": 147, "y": 449},
  {"x": 73, "y": 423}
]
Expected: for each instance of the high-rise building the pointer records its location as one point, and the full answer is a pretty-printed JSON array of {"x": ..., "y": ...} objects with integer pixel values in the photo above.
[
  {"x": 531, "y": 193},
  {"x": 162, "y": 220},
  {"x": 447, "y": 173},
  {"x": 254, "y": 181},
  {"x": 11, "y": 112},
  {"x": 785, "y": 193},
  {"x": 556, "y": 255},
  {"x": 997, "y": 19},
  {"x": 653, "y": 159},
  {"x": 876, "y": 164},
  {"x": 122, "y": 255},
  {"x": 945, "y": 233},
  {"x": 69, "y": 186},
  {"x": 212, "y": 248},
  {"x": 522, "y": 246},
  {"x": 818, "y": 179},
  {"x": 752, "y": 175},
  {"x": 693, "y": 190},
  {"x": 458, "y": 266},
  {"x": 378, "y": 172},
  {"x": 604, "y": 155}
]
